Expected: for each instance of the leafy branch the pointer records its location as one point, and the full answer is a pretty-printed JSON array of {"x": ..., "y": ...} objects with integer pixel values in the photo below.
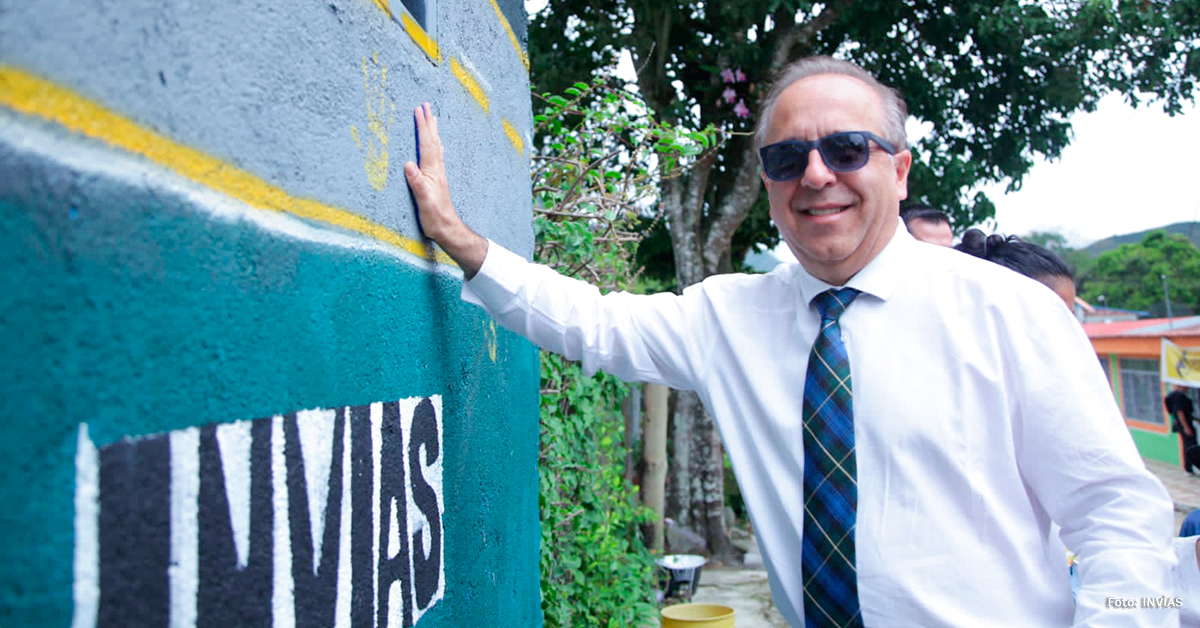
[{"x": 596, "y": 175}]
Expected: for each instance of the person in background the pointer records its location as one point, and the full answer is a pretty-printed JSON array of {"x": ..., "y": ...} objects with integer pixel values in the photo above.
[
  {"x": 1191, "y": 524},
  {"x": 928, "y": 224},
  {"x": 958, "y": 467},
  {"x": 1038, "y": 262},
  {"x": 1183, "y": 417},
  {"x": 1032, "y": 260}
]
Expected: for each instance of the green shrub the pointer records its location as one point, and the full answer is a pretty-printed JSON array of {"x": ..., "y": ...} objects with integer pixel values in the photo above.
[
  {"x": 598, "y": 164},
  {"x": 595, "y": 569}
]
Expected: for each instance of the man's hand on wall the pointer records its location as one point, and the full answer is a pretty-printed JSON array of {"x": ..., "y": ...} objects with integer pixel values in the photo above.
[{"x": 431, "y": 190}]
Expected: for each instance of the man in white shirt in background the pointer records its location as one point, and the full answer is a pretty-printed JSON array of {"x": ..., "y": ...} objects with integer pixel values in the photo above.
[{"x": 960, "y": 450}]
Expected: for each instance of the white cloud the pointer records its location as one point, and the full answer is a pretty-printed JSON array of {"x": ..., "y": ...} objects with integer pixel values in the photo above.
[{"x": 1125, "y": 170}]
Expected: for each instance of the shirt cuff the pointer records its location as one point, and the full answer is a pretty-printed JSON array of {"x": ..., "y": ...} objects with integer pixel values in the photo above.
[
  {"x": 1189, "y": 572},
  {"x": 487, "y": 288}
]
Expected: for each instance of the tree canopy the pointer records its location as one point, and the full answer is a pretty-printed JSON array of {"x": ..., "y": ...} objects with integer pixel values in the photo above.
[
  {"x": 1131, "y": 276},
  {"x": 995, "y": 82}
]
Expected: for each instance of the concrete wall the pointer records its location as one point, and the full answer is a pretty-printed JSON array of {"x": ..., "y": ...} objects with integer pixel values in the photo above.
[{"x": 236, "y": 386}]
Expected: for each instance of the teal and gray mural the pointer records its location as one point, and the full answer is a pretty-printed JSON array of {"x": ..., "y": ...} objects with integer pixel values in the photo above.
[{"x": 238, "y": 386}]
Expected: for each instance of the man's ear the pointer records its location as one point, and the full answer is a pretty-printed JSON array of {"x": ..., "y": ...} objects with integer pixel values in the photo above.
[{"x": 903, "y": 161}]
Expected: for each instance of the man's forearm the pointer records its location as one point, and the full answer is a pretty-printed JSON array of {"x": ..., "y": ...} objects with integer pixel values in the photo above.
[{"x": 466, "y": 247}]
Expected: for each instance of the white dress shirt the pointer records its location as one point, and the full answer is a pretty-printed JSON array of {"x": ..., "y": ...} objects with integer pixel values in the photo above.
[
  {"x": 1187, "y": 581},
  {"x": 980, "y": 415}
]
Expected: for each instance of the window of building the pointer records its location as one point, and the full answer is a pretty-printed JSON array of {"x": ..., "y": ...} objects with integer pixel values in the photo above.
[
  {"x": 419, "y": 18},
  {"x": 1141, "y": 390},
  {"x": 416, "y": 8}
]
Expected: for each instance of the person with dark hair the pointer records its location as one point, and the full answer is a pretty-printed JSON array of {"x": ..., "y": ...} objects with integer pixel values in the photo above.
[
  {"x": 928, "y": 224},
  {"x": 1183, "y": 417},
  {"x": 957, "y": 468},
  {"x": 1029, "y": 259}
]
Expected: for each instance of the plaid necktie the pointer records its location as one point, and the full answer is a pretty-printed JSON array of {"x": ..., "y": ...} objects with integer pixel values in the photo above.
[{"x": 830, "y": 489}]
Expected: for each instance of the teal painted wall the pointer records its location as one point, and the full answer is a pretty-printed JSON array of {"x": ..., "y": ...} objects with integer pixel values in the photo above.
[{"x": 148, "y": 305}]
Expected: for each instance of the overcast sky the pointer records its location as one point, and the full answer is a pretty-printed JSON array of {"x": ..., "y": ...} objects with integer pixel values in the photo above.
[{"x": 1126, "y": 170}]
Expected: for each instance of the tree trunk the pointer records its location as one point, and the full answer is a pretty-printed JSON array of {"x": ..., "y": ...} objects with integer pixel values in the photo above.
[
  {"x": 654, "y": 460},
  {"x": 631, "y": 407},
  {"x": 708, "y": 489},
  {"x": 684, "y": 408}
]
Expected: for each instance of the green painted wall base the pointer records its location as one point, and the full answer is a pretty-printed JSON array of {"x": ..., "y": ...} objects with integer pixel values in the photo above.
[{"x": 1164, "y": 447}]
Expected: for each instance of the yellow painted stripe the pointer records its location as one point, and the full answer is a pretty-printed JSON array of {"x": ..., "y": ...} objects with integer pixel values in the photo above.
[
  {"x": 512, "y": 37},
  {"x": 35, "y": 96},
  {"x": 383, "y": 4},
  {"x": 422, "y": 38},
  {"x": 470, "y": 83},
  {"x": 513, "y": 136}
]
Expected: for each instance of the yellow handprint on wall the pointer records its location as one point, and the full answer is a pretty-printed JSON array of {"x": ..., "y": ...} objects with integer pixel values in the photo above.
[{"x": 380, "y": 110}]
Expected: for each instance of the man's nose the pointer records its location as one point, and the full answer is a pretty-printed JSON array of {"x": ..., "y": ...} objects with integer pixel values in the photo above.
[{"x": 816, "y": 174}]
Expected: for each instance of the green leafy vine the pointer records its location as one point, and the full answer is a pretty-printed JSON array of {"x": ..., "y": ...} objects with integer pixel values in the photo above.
[{"x": 600, "y": 158}]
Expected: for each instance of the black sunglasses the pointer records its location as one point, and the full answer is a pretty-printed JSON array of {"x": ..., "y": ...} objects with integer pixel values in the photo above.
[{"x": 842, "y": 152}]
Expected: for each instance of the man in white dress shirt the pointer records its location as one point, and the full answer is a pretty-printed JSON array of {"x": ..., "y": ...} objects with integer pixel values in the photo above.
[{"x": 979, "y": 413}]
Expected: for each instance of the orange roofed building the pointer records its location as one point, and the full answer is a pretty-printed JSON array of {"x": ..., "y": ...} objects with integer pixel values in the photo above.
[{"x": 1130, "y": 351}]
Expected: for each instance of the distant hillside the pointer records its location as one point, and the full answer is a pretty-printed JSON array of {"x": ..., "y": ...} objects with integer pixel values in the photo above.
[{"x": 1185, "y": 229}]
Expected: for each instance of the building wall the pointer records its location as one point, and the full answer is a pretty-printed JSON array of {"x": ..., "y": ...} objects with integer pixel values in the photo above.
[
  {"x": 1154, "y": 441},
  {"x": 237, "y": 386},
  {"x": 1157, "y": 446}
]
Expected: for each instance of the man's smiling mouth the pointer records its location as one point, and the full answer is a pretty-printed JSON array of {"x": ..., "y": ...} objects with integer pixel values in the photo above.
[{"x": 825, "y": 211}]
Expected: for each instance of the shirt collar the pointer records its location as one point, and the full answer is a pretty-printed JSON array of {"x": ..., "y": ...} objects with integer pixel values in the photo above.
[{"x": 878, "y": 278}]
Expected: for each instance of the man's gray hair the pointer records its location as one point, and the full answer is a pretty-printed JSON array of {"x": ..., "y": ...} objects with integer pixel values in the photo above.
[{"x": 895, "y": 112}]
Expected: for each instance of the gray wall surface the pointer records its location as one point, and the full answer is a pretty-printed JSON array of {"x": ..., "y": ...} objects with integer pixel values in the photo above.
[{"x": 237, "y": 386}]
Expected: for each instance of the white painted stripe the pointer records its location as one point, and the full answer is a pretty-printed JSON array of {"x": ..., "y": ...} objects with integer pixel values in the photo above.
[
  {"x": 393, "y": 547},
  {"x": 341, "y": 613},
  {"x": 396, "y": 599},
  {"x": 436, "y": 474},
  {"x": 376, "y": 456},
  {"x": 283, "y": 603},
  {"x": 233, "y": 443},
  {"x": 396, "y": 588},
  {"x": 416, "y": 518},
  {"x": 183, "y": 572},
  {"x": 87, "y": 531},
  {"x": 396, "y": 605},
  {"x": 92, "y": 158},
  {"x": 316, "y": 448},
  {"x": 475, "y": 73}
]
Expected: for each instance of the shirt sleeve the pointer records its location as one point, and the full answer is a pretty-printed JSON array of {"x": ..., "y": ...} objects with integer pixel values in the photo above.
[
  {"x": 1187, "y": 581},
  {"x": 648, "y": 338},
  {"x": 1076, "y": 454}
]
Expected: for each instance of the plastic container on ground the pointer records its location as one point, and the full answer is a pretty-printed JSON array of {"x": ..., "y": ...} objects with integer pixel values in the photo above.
[{"x": 697, "y": 616}]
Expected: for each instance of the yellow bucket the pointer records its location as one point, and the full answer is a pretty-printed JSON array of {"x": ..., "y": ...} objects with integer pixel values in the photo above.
[{"x": 697, "y": 616}]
